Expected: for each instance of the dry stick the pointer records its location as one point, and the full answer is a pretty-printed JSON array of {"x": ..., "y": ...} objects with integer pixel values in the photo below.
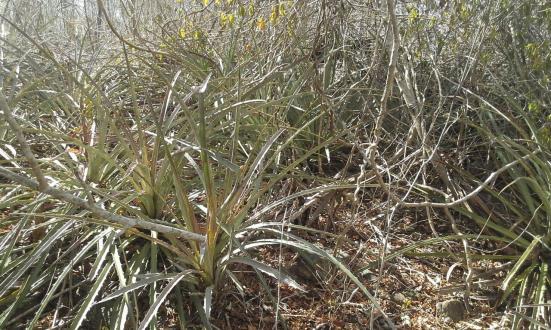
[
  {"x": 118, "y": 219},
  {"x": 284, "y": 221},
  {"x": 384, "y": 99},
  {"x": 434, "y": 158},
  {"x": 446, "y": 206},
  {"x": 389, "y": 84},
  {"x": 443, "y": 175},
  {"x": 42, "y": 186},
  {"x": 369, "y": 154},
  {"x": 491, "y": 178},
  {"x": 27, "y": 152},
  {"x": 431, "y": 222}
]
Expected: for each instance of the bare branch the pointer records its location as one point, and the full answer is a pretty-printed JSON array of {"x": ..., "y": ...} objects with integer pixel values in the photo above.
[
  {"x": 118, "y": 219},
  {"x": 27, "y": 152},
  {"x": 473, "y": 193}
]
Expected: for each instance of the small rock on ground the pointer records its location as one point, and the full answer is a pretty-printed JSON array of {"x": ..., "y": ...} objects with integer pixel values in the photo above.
[
  {"x": 399, "y": 298},
  {"x": 453, "y": 309}
]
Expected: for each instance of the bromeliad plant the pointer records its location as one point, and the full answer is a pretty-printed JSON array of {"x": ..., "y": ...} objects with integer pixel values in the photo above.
[
  {"x": 523, "y": 219},
  {"x": 130, "y": 191}
]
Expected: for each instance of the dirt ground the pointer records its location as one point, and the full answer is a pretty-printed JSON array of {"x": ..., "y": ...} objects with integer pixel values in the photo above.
[{"x": 410, "y": 290}]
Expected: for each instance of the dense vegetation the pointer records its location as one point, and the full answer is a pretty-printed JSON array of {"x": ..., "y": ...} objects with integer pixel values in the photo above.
[{"x": 226, "y": 163}]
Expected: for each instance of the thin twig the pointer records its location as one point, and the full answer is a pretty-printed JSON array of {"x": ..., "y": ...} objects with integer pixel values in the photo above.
[
  {"x": 27, "y": 152},
  {"x": 119, "y": 219}
]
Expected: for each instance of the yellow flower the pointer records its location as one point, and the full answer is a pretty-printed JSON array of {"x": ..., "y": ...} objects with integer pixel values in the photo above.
[
  {"x": 242, "y": 11},
  {"x": 223, "y": 19},
  {"x": 261, "y": 24},
  {"x": 182, "y": 33},
  {"x": 218, "y": 2},
  {"x": 231, "y": 19},
  {"x": 230, "y": 2},
  {"x": 274, "y": 16},
  {"x": 281, "y": 9},
  {"x": 206, "y": 2},
  {"x": 197, "y": 35},
  {"x": 413, "y": 15},
  {"x": 291, "y": 30}
]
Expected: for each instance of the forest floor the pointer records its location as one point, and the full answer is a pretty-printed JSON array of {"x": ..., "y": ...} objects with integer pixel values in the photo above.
[{"x": 410, "y": 289}]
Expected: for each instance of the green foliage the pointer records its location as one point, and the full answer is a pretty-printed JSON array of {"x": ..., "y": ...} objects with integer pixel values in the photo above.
[
  {"x": 199, "y": 149},
  {"x": 217, "y": 117}
]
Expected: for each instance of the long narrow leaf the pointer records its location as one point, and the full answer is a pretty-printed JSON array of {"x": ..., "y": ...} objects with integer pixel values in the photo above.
[
  {"x": 89, "y": 301},
  {"x": 160, "y": 299}
]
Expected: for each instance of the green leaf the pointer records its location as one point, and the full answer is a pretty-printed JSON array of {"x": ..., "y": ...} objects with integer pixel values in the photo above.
[
  {"x": 151, "y": 278},
  {"x": 520, "y": 262},
  {"x": 89, "y": 301},
  {"x": 62, "y": 276},
  {"x": 160, "y": 299},
  {"x": 45, "y": 245},
  {"x": 284, "y": 278}
]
